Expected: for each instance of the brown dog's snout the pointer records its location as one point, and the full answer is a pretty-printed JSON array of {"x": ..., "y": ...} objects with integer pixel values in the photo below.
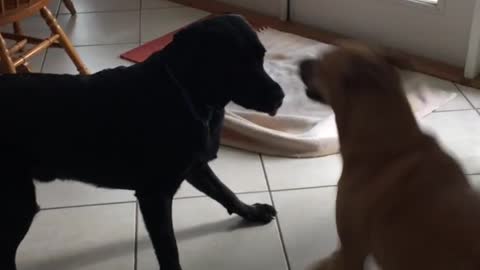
[
  {"x": 306, "y": 71},
  {"x": 307, "y": 74}
]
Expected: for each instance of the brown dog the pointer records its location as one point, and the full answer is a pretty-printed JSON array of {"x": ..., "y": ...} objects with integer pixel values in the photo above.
[{"x": 401, "y": 198}]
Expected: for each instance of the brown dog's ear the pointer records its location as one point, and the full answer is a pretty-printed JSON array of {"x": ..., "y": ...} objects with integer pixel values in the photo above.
[
  {"x": 391, "y": 56},
  {"x": 395, "y": 58},
  {"x": 369, "y": 72}
]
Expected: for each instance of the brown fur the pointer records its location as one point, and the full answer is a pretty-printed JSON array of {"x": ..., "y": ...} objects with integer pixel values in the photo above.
[{"x": 401, "y": 198}]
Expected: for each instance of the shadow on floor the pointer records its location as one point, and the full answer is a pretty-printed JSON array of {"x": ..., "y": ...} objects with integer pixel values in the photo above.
[{"x": 117, "y": 249}]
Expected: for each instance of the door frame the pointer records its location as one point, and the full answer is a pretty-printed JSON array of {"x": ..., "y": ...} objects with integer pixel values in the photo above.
[{"x": 472, "y": 65}]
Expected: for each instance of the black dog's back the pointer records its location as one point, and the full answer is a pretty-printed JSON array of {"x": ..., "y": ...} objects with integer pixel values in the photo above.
[{"x": 101, "y": 128}]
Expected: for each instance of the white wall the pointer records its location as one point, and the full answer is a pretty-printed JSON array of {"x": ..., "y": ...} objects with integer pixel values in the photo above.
[{"x": 441, "y": 34}]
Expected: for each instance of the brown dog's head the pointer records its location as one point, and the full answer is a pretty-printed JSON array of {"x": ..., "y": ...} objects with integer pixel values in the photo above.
[{"x": 350, "y": 67}]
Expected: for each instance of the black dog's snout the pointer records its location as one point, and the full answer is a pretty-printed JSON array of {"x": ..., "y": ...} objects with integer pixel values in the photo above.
[
  {"x": 281, "y": 94},
  {"x": 280, "y": 97}
]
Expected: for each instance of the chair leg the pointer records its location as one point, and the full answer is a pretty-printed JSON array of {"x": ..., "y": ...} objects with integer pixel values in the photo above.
[
  {"x": 17, "y": 29},
  {"x": 24, "y": 68},
  {"x": 6, "y": 63},
  {"x": 69, "y": 5},
  {"x": 64, "y": 40}
]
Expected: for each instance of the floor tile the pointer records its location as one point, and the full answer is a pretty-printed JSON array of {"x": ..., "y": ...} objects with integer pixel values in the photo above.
[
  {"x": 110, "y": 27},
  {"x": 459, "y": 133},
  {"x": 307, "y": 222},
  {"x": 85, "y": 238},
  {"x": 285, "y": 173},
  {"x": 158, "y": 22},
  {"x": 475, "y": 180},
  {"x": 71, "y": 193},
  {"x": 209, "y": 239},
  {"x": 102, "y": 5},
  {"x": 417, "y": 80},
  {"x": 310, "y": 234},
  {"x": 241, "y": 171},
  {"x": 32, "y": 26},
  {"x": 149, "y": 4},
  {"x": 96, "y": 58},
  {"x": 458, "y": 103},
  {"x": 54, "y": 5},
  {"x": 35, "y": 63},
  {"x": 473, "y": 95}
]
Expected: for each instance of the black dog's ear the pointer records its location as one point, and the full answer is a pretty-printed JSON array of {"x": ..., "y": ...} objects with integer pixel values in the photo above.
[
  {"x": 200, "y": 33},
  {"x": 187, "y": 31}
]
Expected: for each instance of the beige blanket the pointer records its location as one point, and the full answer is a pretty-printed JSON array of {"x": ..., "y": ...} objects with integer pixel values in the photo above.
[{"x": 304, "y": 128}]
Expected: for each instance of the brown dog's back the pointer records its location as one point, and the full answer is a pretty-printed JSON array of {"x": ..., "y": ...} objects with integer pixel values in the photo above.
[{"x": 433, "y": 222}]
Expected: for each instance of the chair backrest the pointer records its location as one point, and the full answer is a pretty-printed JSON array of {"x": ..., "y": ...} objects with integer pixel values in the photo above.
[{"x": 10, "y": 5}]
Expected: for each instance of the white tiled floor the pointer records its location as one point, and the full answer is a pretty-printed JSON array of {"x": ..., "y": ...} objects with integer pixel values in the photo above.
[
  {"x": 82, "y": 227},
  {"x": 209, "y": 239},
  {"x": 473, "y": 95}
]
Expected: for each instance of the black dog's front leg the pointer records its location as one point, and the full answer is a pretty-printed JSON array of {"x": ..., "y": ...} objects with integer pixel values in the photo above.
[
  {"x": 204, "y": 179},
  {"x": 157, "y": 215}
]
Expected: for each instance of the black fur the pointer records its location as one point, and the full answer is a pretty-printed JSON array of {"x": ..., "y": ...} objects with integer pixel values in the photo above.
[{"x": 145, "y": 128}]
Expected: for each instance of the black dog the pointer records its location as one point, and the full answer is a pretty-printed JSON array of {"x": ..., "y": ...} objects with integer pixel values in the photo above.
[{"x": 144, "y": 128}]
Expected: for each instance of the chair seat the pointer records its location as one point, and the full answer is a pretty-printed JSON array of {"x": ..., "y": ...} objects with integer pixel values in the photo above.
[{"x": 11, "y": 12}]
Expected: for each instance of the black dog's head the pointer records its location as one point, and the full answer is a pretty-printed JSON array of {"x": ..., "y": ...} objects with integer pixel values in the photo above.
[{"x": 225, "y": 58}]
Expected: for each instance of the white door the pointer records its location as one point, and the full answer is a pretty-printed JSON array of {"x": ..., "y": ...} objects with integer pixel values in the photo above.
[{"x": 438, "y": 29}]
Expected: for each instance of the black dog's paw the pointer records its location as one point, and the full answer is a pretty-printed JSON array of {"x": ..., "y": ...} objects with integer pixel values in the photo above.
[{"x": 262, "y": 213}]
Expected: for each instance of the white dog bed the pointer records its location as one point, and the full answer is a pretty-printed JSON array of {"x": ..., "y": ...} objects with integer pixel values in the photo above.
[{"x": 304, "y": 128}]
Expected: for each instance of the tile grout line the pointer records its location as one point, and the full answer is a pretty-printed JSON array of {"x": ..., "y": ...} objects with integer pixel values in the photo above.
[
  {"x": 85, "y": 205},
  {"x": 303, "y": 188},
  {"x": 44, "y": 59},
  {"x": 457, "y": 110},
  {"x": 277, "y": 220},
  {"x": 105, "y": 44},
  {"x": 465, "y": 96},
  {"x": 119, "y": 11},
  {"x": 140, "y": 23},
  {"x": 203, "y": 196},
  {"x": 135, "y": 246}
]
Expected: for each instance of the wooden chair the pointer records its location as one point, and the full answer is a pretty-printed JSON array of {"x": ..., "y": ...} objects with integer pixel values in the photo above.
[
  {"x": 68, "y": 4},
  {"x": 14, "y": 59}
]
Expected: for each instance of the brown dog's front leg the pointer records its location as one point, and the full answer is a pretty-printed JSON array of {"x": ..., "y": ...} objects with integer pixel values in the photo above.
[
  {"x": 327, "y": 263},
  {"x": 338, "y": 260},
  {"x": 157, "y": 215}
]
